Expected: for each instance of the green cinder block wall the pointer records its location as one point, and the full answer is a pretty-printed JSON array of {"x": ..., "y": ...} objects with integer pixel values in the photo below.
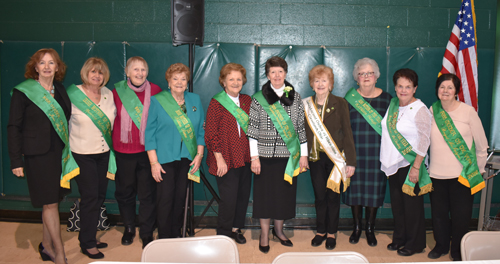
[{"x": 333, "y": 23}]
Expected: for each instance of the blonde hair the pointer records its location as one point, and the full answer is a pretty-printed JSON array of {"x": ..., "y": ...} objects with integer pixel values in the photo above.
[
  {"x": 320, "y": 70},
  {"x": 97, "y": 64}
]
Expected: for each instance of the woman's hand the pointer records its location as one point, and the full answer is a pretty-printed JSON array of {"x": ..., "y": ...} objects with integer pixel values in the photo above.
[
  {"x": 349, "y": 171},
  {"x": 196, "y": 162},
  {"x": 304, "y": 164},
  {"x": 221, "y": 164},
  {"x": 255, "y": 166},
  {"x": 19, "y": 172},
  {"x": 413, "y": 176},
  {"x": 157, "y": 170}
]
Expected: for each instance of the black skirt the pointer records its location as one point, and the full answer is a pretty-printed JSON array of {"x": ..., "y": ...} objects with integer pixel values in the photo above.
[
  {"x": 273, "y": 197},
  {"x": 43, "y": 173}
]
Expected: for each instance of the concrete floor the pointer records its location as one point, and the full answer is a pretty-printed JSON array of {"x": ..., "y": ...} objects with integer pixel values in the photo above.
[{"x": 19, "y": 244}]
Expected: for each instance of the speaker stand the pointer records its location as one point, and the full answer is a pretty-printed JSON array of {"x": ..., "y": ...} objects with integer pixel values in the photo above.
[{"x": 189, "y": 204}]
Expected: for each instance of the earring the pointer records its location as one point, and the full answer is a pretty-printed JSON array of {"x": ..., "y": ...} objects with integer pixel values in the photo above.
[
  {"x": 169, "y": 87},
  {"x": 357, "y": 83}
]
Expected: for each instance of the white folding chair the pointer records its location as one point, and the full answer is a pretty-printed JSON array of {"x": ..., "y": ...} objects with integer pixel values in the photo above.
[
  {"x": 480, "y": 245},
  {"x": 207, "y": 249},
  {"x": 320, "y": 257}
]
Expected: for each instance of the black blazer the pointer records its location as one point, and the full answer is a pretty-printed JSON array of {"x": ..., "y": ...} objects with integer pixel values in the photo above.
[{"x": 29, "y": 129}]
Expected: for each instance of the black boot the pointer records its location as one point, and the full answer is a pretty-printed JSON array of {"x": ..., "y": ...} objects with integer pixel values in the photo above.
[
  {"x": 357, "y": 214},
  {"x": 371, "y": 214}
]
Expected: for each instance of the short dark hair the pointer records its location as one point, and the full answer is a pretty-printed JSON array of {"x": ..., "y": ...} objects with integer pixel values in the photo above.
[
  {"x": 276, "y": 61},
  {"x": 406, "y": 73},
  {"x": 448, "y": 77}
]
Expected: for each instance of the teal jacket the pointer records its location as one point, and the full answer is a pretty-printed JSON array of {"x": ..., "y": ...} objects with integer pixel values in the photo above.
[{"x": 162, "y": 134}]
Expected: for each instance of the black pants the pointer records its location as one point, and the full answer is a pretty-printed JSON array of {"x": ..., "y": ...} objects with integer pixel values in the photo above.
[
  {"x": 171, "y": 196},
  {"x": 133, "y": 178},
  {"x": 450, "y": 198},
  {"x": 92, "y": 185},
  {"x": 234, "y": 190},
  {"x": 408, "y": 213},
  {"x": 327, "y": 202}
]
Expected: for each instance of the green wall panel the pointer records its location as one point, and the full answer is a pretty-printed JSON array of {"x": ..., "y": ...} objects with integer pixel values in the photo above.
[
  {"x": 159, "y": 57},
  {"x": 386, "y": 30},
  {"x": 342, "y": 61}
]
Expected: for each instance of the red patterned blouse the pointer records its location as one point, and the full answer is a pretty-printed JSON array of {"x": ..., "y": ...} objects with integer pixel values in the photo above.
[{"x": 221, "y": 135}]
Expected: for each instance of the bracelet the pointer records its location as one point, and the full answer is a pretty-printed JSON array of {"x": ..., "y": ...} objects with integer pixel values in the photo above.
[
  {"x": 416, "y": 168},
  {"x": 153, "y": 163},
  {"x": 198, "y": 154},
  {"x": 254, "y": 159}
]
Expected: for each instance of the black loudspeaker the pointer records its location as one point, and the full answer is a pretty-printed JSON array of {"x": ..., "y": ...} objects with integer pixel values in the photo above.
[{"x": 188, "y": 22}]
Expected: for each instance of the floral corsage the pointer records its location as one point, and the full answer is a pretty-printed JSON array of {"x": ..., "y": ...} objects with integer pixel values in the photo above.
[{"x": 287, "y": 89}]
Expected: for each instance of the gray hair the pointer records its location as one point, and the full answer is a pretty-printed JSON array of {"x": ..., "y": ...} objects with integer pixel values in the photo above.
[{"x": 362, "y": 62}]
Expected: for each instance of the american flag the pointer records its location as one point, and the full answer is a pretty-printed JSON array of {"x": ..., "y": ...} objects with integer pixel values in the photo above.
[{"x": 460, "y": 56}]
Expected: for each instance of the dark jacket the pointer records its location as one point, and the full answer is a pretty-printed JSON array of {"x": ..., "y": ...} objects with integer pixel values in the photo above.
[
  {"x": 29, "y": 129},
  {"x": 337, "y": 121}
]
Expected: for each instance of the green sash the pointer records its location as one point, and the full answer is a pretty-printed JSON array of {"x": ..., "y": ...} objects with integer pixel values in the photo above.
[
  {"x": 100, "y": 120},
  {"x": 365, "y": 109},
  {"x": 130, "y": 101},
  {"x": 41, "y": 98},
  {"x": 285, "y": 128},
  {"x": 406, "y": 150},
  {"x": 183, "y": 125},
  {"x": 237, "y": 112},
  {"x": 470, "y": 175}
]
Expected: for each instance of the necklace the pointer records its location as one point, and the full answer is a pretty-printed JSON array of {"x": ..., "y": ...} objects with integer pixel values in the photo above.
[
  {"x": 366, "y": 96},
  {"x": 51, "y": 90},
  {"x": 402, "y": 113},
  {"x": 179, "y": 101}
]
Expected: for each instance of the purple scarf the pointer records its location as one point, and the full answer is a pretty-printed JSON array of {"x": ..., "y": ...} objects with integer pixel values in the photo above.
[{"x": 126, "y": 122}]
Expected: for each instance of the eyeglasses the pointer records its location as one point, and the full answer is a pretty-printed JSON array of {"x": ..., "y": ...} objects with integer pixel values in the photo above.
[{"x": 366, "y": 74}]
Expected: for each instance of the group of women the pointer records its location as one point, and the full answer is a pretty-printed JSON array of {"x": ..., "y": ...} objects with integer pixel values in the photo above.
[
  {"x": 152, "y": 143},
  {"x": 144, "y": 138}
]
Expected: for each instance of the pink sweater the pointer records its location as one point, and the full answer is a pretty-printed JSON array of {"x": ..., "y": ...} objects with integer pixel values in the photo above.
[
  {"x": 443, "y": 163},
  {"x": 134, "y": 146}
]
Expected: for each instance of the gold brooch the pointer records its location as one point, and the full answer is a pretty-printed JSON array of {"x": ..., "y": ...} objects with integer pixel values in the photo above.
[{"x": 328, "y": 110}]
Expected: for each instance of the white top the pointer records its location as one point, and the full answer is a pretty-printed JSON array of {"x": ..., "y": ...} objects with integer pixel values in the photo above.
[
  {"x": 254, "y": 146},
  {"x": 84, "y": 136},
  {"x": 236, "y": 100},
  {"x": 414, "y": 124},
  {"x": 444, "y": 164}
]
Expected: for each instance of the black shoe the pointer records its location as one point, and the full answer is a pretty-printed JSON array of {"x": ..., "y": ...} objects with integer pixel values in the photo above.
[
  {"x": 356, "y": 234},
  {"x": 394, "y": 246},
  {"x": 408, "y": 252},
  {"x": 128, "y": 235},
  {"x": 330, "y": 243},
  {"x": 44, "y": 254},
  {"x": 93, "y": 256},
  {"x": 370, "y": 236},
  {"x": 263, "y": 249},
  {"x": 101, "y": 245},
  {"x": 238, "y": 237},
  {"x": 435, "y": 255},
  {"x": 318, "y": 240},
  {"x": 146, "y": 241},
  {"x": 286, "y": 243}
]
